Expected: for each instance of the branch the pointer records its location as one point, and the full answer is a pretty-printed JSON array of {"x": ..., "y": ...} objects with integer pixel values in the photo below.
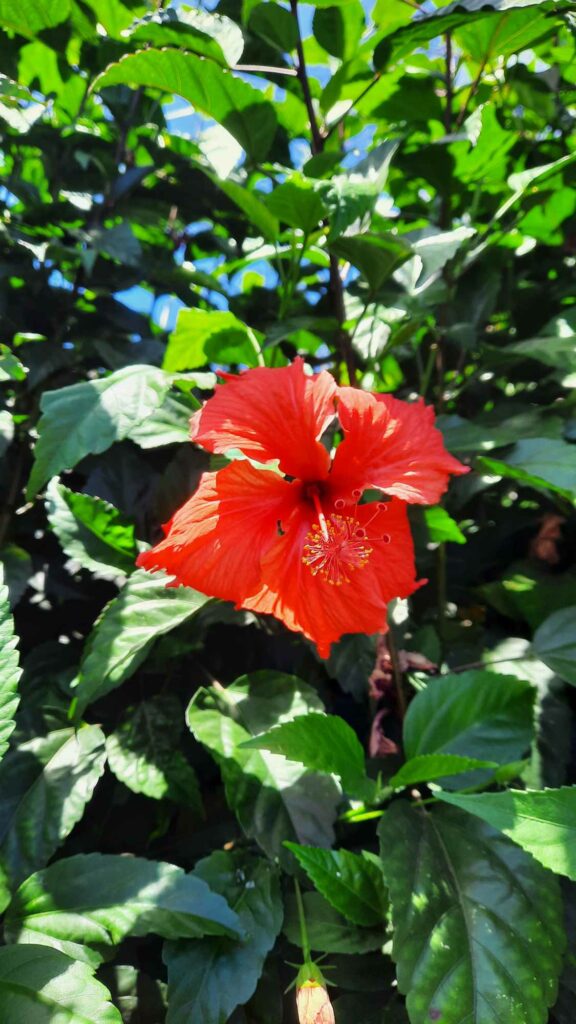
[
  {"x": 264, "y": 69},
  {"x": 449, "y": 88},
  {"x": 339, "y": 120},
  {"x": 317, "y": 140},
  {"x": 344, "y": 341},
  {"x": 471, "y": 93}
]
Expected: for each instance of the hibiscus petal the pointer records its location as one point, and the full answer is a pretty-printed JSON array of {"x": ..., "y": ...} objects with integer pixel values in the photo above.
[
  {"x": 390, "y": 445},
  {"x": 271, "y": 414},
  {"x": 307, "y": 603},
  {"x": 216, "y": 541}
]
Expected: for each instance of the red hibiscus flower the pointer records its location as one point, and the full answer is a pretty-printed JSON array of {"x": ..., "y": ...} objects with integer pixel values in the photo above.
[{"x": 293, "y": 541}]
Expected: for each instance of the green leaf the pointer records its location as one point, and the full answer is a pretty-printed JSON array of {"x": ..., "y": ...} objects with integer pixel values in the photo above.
[
  {"x": 296, "y": 202},
  {"x": 530, "y": 595},
  {"x": 209, "y": 978},
  {"x": 113, "y": 15},
  {"x": 87, "y": 418},
  {"x": 143, "y": 752},
  {"x": 275, "y": 24},
  {"x": 351, "y": 662},
  {"x": 212, "y": 90},
  {"x": 523, "y": 181},
  {"x": 45, "y": 785},
  {"x": 473, "y": 714},
  {"x": 462, "y": 435},
  {"x": 30, "y": 17},
  {"x": 353, "y": 884},
  {"x": 560, "y": 353},
  {"x": 123, "y": 635},
  {"x": 432, "y": 251},
  {"x": 203, "y": 32},
  {"x": 170, "y": 424},
  {"x": 119, "y": 242},
  {"x": 428, "y": 767},
  {"x": 442, "y": 527},
  {"x": 42, "y": 986},
  {"x": 543, "y": 822},
  {"x": 539, "y": 462},
  {"x": 323, "y": 743},
  {"x": 456, "y": 15},
  {"x": 376, "y": 256},
  {"x": 10, "y": 671},
  {"x": 273, "y": 799},
  {"x": 352, "y": 196},
  {"x": 339, "y": 29},
  {"x": 6, "y": 431},
  {"x": 91, "y": 532},
  {"x": 86, "y": 904},
  {"x": 255, "y": 210},
  {"x": 216, "y": 337},
  {"x": 555, "y": 643},
  {"x": 10, "y": 366},
  {"x": 17, "y": 567},
  {"x": 478, "y": 932},
  {"x": 328, "y": 931}
]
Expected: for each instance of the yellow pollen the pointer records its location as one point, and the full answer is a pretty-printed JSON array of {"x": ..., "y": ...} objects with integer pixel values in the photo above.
[{"x": 335, "y": 548}]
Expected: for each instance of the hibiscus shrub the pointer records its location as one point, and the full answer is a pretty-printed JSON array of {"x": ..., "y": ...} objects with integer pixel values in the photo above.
[{"x": 287, "y": 530}]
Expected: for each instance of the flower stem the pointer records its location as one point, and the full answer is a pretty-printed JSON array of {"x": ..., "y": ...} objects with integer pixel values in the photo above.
[{"x": 302, "y": 921}]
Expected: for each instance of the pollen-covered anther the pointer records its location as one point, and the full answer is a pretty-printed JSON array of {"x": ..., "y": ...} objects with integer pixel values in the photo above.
[{"x": 336, "y": 549}]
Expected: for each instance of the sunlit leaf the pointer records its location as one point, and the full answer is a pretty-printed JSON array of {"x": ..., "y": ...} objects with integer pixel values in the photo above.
[{"x": 240, "y": 108}]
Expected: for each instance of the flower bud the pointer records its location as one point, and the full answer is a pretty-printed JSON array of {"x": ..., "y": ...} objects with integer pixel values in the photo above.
[{"x": 313, "y": 1004}]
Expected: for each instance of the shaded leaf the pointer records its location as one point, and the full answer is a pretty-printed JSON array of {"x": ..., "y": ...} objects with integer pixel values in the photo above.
[
  {"x": 376, "y": 256},
  {"x": 473, "y": 714},
  {"x": 143, "y": 752},
  {"x": 478, "y": 930},
  {"x": 87, "y": 418},
  {"x": 539, "y": 462},
  {"x": 338, "y": 29},
  {"x": 45, "y": 785},
  {"x": 51, "y": 987},
  {"x": 428, "y": 767},
  {"x": 273, "y": 799},
  {"x": 209, "y": 978},
  {"x": 275, "y": 24},
  {"x": 296, "y": 202},
  {"x": 328, "y": 931},
  {"x": 351, "y": 662},
  {"x": 82, "y": 905},
  {"x": 555, "y": 643},
  {"x": 123, "y": 635}
]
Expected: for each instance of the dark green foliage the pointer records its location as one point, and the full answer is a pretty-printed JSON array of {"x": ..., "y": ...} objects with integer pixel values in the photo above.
[{"x": 391, "y": 195}]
